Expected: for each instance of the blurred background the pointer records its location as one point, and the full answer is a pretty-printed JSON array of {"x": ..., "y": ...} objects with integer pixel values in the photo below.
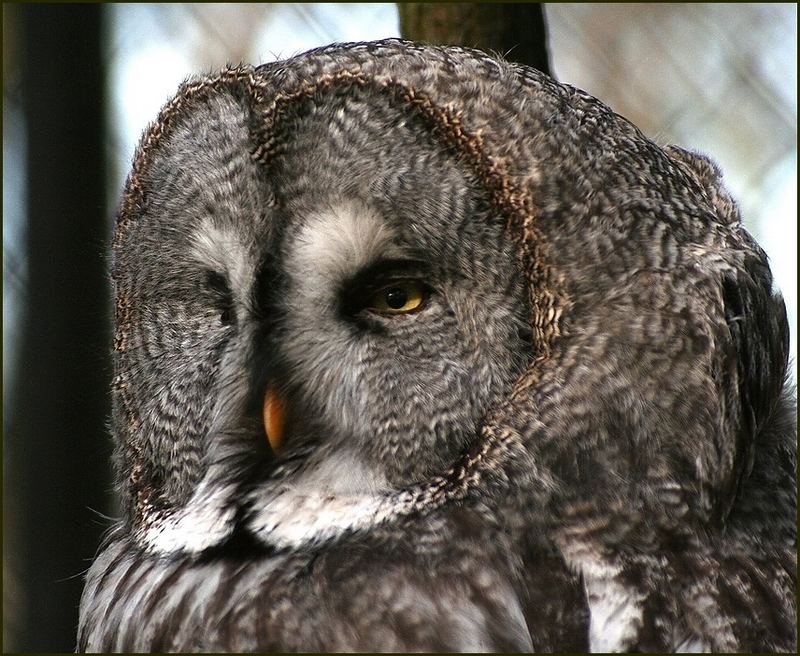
[{"x": 81, "y": 82}]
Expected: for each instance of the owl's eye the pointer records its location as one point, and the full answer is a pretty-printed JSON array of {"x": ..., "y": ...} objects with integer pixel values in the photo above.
[{"x": 398, "y": 298}]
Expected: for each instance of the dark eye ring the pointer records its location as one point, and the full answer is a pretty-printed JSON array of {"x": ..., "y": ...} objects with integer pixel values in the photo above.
[{"x": 218, "y": 283}]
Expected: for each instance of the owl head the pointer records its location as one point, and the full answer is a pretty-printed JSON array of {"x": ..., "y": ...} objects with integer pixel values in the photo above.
[{"x": 375, "y": 277}]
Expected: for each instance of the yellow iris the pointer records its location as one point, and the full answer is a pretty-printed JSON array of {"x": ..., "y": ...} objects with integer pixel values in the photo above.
[{"x": 398, "y": 298}]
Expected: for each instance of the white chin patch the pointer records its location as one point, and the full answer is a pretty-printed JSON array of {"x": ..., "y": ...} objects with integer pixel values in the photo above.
[
  {"x": 291, "y": 519},
  {"x": 317, "y": 504},
  {"x": 335, "y": 495},
  {"x": 295, "y": 519},
  {"x": 205, "y": 522}
]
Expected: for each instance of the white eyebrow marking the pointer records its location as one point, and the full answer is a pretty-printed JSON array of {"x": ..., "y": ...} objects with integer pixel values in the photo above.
[
  {"x": 221, "y": 249},
  {"x": 337, "y": 242}
]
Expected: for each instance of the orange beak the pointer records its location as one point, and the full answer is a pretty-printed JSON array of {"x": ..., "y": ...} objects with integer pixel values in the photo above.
[{"x": 274, "y": 418}]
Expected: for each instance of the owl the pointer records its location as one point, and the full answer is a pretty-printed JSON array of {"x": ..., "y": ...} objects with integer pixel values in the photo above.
[{"x": 420, "y": 350}]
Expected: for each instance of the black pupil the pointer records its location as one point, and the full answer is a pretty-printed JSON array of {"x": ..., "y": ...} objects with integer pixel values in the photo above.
[{"x": 396, "y": 298}]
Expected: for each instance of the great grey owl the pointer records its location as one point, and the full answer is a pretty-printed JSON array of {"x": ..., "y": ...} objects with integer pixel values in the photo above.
[{"x": 521, "y": 370}]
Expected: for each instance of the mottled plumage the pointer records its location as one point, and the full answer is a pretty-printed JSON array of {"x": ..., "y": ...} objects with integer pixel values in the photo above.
[{"x": 581, "y": 439}]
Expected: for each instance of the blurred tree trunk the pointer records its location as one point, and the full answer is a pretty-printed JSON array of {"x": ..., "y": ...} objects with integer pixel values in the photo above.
[
  {"x": 55, "y": 443},
  {"x": 516, "y": 31}
]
